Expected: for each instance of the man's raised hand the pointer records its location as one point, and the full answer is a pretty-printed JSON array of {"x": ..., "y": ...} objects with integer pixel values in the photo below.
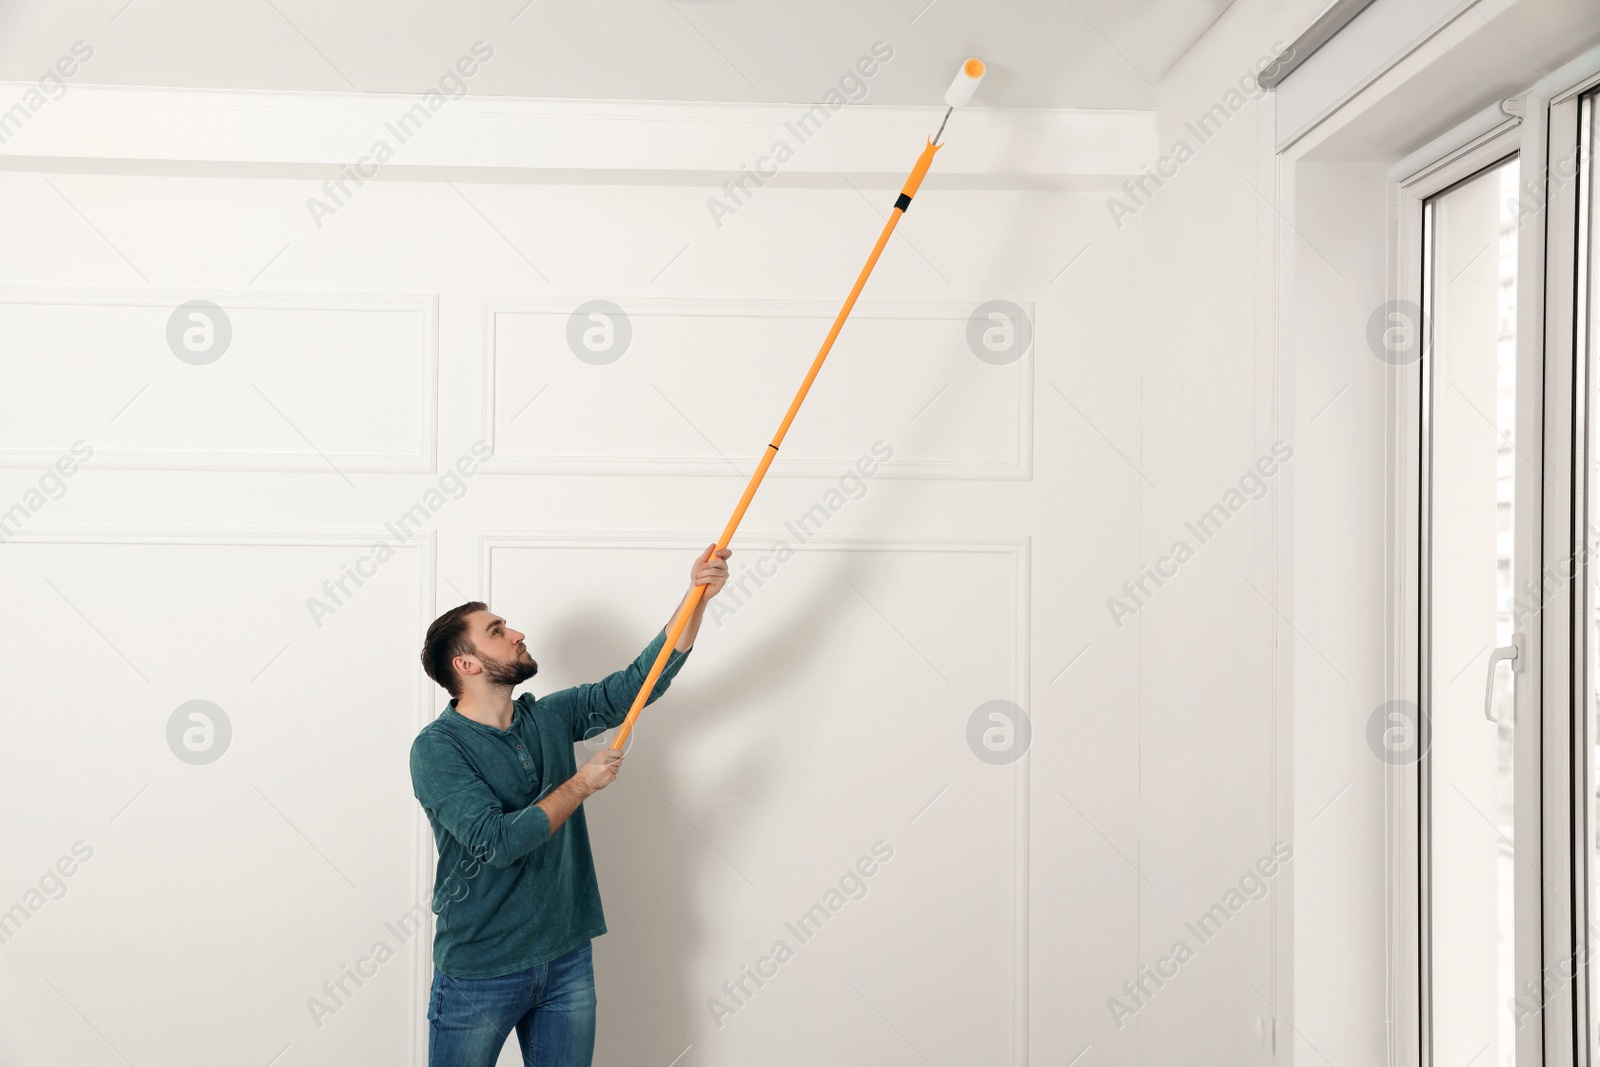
[{"x": 710, "y": 570}]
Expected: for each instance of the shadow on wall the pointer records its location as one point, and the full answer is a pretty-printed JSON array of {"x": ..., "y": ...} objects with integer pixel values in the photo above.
[{"x": 654, "y": 866}]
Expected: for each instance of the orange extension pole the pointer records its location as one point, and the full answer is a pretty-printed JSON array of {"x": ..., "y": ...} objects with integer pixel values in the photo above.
[{"x": 696, "y": 593}]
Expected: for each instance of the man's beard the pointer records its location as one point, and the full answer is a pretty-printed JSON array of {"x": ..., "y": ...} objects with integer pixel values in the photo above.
[{"x": 498, "y": 672}]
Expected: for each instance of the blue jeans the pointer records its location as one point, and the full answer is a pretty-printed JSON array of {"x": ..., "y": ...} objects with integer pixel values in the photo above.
[{"x": 551, "y": 1006}]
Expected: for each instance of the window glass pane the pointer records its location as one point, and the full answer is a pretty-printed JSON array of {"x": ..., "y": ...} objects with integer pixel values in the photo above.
[{"x": 1470, "y": 293}]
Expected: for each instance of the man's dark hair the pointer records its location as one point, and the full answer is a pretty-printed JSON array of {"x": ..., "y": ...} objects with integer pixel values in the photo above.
[{"x": 447, "y": 638}]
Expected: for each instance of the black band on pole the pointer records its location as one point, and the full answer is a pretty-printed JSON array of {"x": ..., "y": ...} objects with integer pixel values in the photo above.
[
  {"x": 772, "y": 446},
  {"x": 902, "y": 202}
]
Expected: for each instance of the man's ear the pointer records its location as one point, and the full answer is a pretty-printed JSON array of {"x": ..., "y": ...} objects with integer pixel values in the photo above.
[{"x": 466, "y": 665}]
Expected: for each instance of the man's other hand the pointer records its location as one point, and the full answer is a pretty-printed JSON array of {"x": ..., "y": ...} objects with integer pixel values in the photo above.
[{"x": 600, "y": 770}]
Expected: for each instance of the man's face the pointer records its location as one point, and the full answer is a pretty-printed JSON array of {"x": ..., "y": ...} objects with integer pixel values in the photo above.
[{"x": 501, "y": 650}]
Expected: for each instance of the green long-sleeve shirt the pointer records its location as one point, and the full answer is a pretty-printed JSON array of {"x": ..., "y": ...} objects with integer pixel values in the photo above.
[{"x": 510, "y": 894}]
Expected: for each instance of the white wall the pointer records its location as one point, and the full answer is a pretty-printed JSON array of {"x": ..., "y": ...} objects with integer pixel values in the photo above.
[
  {"x": 828, "y": 713},
  {"x": 1336, "y": 396},
  {"x": 1213, "y": 696}
]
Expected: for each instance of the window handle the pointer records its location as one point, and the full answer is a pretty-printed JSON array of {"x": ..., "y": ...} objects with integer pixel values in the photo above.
[{"x": 1512, "y": 654}]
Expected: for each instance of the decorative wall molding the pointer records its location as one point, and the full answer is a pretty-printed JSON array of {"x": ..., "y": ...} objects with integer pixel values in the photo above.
[
  {"x": 245, "y": 536},
  {"x": 424, "y": 461},
  {"x": 789, "y": 465},
  {"x": 1020, "y": 550},
  {"x": 422, "y": 859}
]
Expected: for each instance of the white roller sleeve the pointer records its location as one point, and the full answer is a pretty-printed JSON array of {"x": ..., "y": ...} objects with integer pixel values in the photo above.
[{"x": 966, "y": 83}]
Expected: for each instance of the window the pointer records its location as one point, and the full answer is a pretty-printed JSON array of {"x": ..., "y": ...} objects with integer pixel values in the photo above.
[
  {"x": 1469, "y": 244},
  {"x": 1485, "y": 440},
  {"x": 1507, "y": 612}
]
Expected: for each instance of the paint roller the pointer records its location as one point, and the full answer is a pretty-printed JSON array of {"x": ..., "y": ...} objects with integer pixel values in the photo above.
[
  {"x": 958, "y": 95},
  {"x": 960, "y": 92}
]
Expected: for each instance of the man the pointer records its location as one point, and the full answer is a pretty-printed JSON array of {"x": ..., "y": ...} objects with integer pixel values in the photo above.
[{"x": 515, "y": 889}]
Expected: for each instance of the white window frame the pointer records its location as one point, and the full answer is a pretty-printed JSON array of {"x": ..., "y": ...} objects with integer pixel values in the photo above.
[
  {"x": 1406, "y": 793},
  {"x": 1569, "y": 794}
]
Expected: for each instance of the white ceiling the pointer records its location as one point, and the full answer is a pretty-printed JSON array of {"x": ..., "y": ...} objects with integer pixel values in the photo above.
[{"x": 1041, "y": 53}]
